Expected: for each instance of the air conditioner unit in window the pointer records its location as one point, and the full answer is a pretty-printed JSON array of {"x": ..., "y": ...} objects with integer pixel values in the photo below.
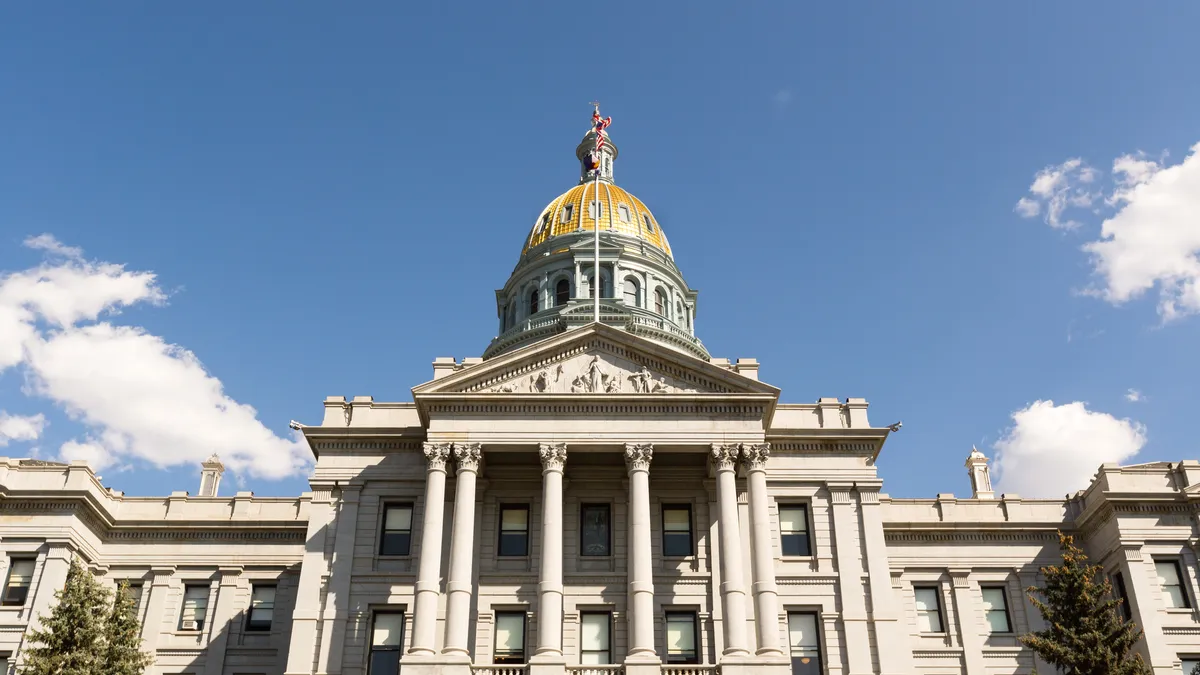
[{"x": 190, "y": 625}]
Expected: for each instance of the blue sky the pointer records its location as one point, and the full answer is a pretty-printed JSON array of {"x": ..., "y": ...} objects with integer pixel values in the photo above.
[{"x": 327, "y": 198}]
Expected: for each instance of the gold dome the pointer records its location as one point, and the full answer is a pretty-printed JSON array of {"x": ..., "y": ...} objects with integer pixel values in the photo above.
[{"x": 620, "y": 212}]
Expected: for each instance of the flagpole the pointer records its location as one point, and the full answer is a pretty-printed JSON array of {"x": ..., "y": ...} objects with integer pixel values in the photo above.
[{"x": 598, "y": 283}]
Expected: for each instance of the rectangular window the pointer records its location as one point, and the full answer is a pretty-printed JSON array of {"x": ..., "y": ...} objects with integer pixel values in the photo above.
[
  {"x": 594, "y": 533},
  {"x": 805, "y": 643},
  {"x": 262, "y": 608},
  {"x": 623, "y": 213},
  {"x": 595, "y": 638},
  {"x": 510, "y": 638},
  {"x": 397, "y": 529},
  {"x": 1171, "y": 582},
  {"x": 20, "y": 576},
  {"x": 1190, "y": 664},
  {"x": 133, "y": 590},
  {"x": 387, "y": 635},
  {"x": 929, "y": 609},
  {"x": 677, "y": 529},
  {"x": 1122, "y": 595},
  {"x": 195, "y": 607},
  {"x": 568, "y": 212},
  {"x": 995, "y": 608},
  {"x": 595, "y": 210},
  {"x": 681, "y": 638},
  {"x": 793, "y": 529},
  {"x": 514, "y": 529}
]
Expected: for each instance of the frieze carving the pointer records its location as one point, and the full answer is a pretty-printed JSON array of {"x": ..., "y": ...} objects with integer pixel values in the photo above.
[
  {"x": 591, "y": 373},
  {"x": 755, "y": 455},
  {"x": 437, "y": 454},
  {"x": 554, "y": 455},
  {"x": 638, "y": 456},
  {"x": 724, "y": 457},
  {"x": 467, "y": 455}
]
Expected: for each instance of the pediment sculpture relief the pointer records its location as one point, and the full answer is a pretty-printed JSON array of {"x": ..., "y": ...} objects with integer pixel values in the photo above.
[{"x": 592, "y": 374}]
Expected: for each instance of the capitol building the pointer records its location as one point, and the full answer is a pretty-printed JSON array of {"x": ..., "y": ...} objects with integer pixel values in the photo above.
[{"x": 596, "y": 494}]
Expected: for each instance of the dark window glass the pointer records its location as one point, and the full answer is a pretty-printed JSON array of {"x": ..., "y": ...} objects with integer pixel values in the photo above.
[
  {"x": 397, "y": 529},
  {"x": 533, "y": 302},
  {"x": 793, "y": 529},
  {"x": 804, "y": 640},
  {"x": 595, "y": 630},
  {"x": 387, "y": 635},
  {"x": 677, "y": 530},
  {"x": 514, "y": 530},
  {"x": 133, "y": 591},
  {"x": 649, "y": 225},
  {"x": 1122, "y": 595},
  {"x": 510, "y": 638},
  {"x": 568, "y": 212},
  {"x": 594, "y": 532},
  {"x": 562, "y": 292},
  {"x": 681, "y": 638},
  {"x": 20, "y": 576},
  {"x": 262, "y": 608}
]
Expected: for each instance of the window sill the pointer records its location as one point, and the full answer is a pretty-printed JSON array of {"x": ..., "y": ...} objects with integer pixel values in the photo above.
[
  {"x": 1179, "y": 610},
  {"x": 796, "y": 558},
  {"x": 512, "y": 557},
  {"x": 388, "y": 556},
  {"x": 189, "y": 633},
  {"x": 941, "y": 634}
]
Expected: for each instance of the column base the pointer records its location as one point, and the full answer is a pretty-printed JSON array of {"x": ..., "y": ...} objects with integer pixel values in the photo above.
[
  {"x": 547, "y": 664},
  {"x": 435, "y": 664},
  {"x": 755, "y": 665},
  {"x": 643, "y": 664}
]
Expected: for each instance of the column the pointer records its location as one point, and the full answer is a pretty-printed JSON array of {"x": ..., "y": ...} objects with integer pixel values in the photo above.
[
  {"x": 301, "y": 659},
  {"x": 968, "y": 623},
  {"x": 337, "y": 599},
  {"x": 578, "y": 285},
  {"x": 226, "y": 609},
  {"x": 850, "y": 569},
  {"x": 1141, "y": 586},
  {"x": 641, "y": 569},
  {"x": 53, "y": 578},
  {"x": 762, "y": 561},
  {"x": 157, "y": 589},
  {"x": 429, "y": 570},
  {"x": 895, "y": 654},
  {"x": 462, "y": 550},
  {"x": 733, "y": 594},
  {"x": 550, "y": 580}
]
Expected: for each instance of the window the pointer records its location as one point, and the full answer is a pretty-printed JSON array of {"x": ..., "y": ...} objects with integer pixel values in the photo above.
[
  {"x": 995, "y": 608},
  {"x": 195, "y": 607},
  {"x": 514, "y": 529},
  {"x": 681, "y": 637},
  {"x": 262, "y": 608},
  {"x": 20, "y": 576},
  {"x": 568, "y": 213},
  {"x": 1119, "y": 588},
  {"x": 396, "y": 538},
  {"x": 1170, "y": 580},
  {"x": 805, "y": 643},
  {"x": 595, "y": 210},
  {"x": 649, "y": 225},
  {"x": 929, "y": 609},
  {"x": 660, "y": 302},
  {"x": 793, "y": 529},
  {"x": 632, "y": 296},
  {"x": 678, "y": 311},
  {"x": 562, "y": 292},
  {"x": 510, "y": 638},
  {"x": 387, "y": 635},
  {"x": 533, "y": 301},
  {"x": 133, "y": 591},
  {"x": 1190, "y": 663},
  {"x": 677, "y": 529},
  {"x": 595, "y": 537},
  {"x": 623, "y": 213},
  {"x": 544, "y": 223},
  {"x": 595, "y": 637}
]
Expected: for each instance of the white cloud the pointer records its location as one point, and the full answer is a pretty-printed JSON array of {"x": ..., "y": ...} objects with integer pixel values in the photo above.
[
  {"x": 782, "y": 97},
  {"x": 1057, "y": 188},
  {"x": 1053, "y": 450},
  {"x": 20, "y": 427},
  {"x": 140, "y": 397},
  {"x": 1134, "y": 396}
]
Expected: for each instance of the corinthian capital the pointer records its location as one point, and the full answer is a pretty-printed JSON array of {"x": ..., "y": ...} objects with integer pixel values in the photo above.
[
  {"x": 467, "y": 455},
  {"x": 724, "y": 457},
  {"x": 755, "y": 455},
  {"x": 554, "y": 455},
  {"x": 437, "y": 454},
  {"x": 638, "y": 456}
]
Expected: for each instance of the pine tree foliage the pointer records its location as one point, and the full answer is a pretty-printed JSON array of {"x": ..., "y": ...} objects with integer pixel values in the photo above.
[
  {"x": 71, "y": 639},
  {"x": 123, "y": 653},
  {"x": 1087, "y": 634}
]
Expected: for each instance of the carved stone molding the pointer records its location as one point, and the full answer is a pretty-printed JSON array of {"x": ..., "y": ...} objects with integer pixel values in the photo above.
[
  {"x": 554, "y": 456},
  {"x": 1133, "y": 552},
  {"x": 839, "y": 494},
  {"x": 467, "y": 456},
  {"x": 960, "y": 578},
  {"x": 755, "y": 455},
  {"x": 638, "y": 456},
  {"x": 724, "y": 457},
  {"x": 437, "y": 454}
]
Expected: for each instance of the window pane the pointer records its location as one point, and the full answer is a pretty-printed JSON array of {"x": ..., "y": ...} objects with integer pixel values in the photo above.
[
  {"x": 802, "y": 631},
  {"x": 385, "y": 662},
  {"x": 793, "y": 519},
  {"x": 134, "y": 593},
  {"x": 1189, "y": 665},
  {"x": 594, "y": 530},
  {"x": 927, "y": 598},
  {"x": 929, "y": 618},
  {"x": 514, "y": 544},
  {"x": 995, "y": 605},
  {"x": 398, "y": 518},
  {"x": 20, "y": 572},
  {"x": 264, "y": 596},
  {"x": 510, "y": 632},
  {"x": 388, "y": 629},
  {"x": 681, "y": 634},
  {"x": 677, "y": 544},
  {"x": 395, "y": 543},
  {"x": 1167, "y": 574},
  {"x": 594, "y": 631},
  {"x": 514, "y": 519},
  {"x": 677, "y": 520}
]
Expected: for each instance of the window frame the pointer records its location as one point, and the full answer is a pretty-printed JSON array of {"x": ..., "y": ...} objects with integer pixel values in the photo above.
[
  {"x": 501, "y": 531},
  {"x": 820, "y": 646},
  {"x": 1118, "y": 584},
  {"x": 383, "y": 528},
  {"x": 568, "y": 213},
  {"x": 649, "y": 223},
  {"x": 691, "y": 531},
  {"x": 939, "y": 612},
  {"x": 583, "y": 509},
  {"x": 523, "y": 654},
  {"x": 596, "y": 206},
  {"x": 373, "y": 649},
  {"x": 630, "y": 282},
  {"x": 807, "y": 532},
  {"x": 693, "y": 619},
  {"x": 253, "y": 626},
  {"x": 1188, "y": 658},
  {"x": 608, "y": 653},
  {"x": 623, "y": 213},
  {"x": 5, "y": 600},
  {"x": 130, "y": 585},
  {"x": 1003, "y": 591},
  {"x": 533, "y": 301},
  {"x": 661, "y": 302},
  {"x": 1180, "y": 579},
  {"x": 562, "y": 296},
  {"x": 183, "y": 604}
]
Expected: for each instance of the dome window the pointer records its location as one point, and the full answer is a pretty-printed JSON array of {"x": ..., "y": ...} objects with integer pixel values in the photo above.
[
  {"x": 533, "y": 301},
  {"x": 568, "y": 212},
  {"x": 649, "y": 225},
  {"x": 595, "y": 210},
  {"x": 544, "y": 223},
  {"x": 623, "y": 213},
  {"x": 660, "y": 302},
  {"x": 562, "y": 292},
  {"x": 632, "y": 296}
]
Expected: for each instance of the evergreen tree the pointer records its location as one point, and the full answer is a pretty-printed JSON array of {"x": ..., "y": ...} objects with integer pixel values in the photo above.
[
  {"x": 71, "y": 640},
  {"x": 1087, "y": 634},
  {"x": 123, "y": 653}
]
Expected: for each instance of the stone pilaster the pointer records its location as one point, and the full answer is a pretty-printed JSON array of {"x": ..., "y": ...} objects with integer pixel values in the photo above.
[
  {"x": 462, "y": 551},
  {"x": 1143, "y": 591},
  {"x": 854, "y": 606},
  {"x": 969, "y": 631},
  {"x": 54, "y": 568},
  {"x": 303, "y": 644},
  {"x": 895, "y": 654},
  {"x": 223, "y": 614},
  {"x": 733, "y": 593},
  {"x": 337, "y": 598}
]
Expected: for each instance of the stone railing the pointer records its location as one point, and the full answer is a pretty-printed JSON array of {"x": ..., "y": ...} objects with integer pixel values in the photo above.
[
  {"x": 521, "y": 669},
  {"x": 690, "y": 670},
  {"x": 612, "y": 669}
]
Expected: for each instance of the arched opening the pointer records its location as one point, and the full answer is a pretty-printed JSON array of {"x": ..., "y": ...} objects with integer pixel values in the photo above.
[
  {"x": 562, "y": 292},
  {"x": 633, "y": 298},
  {"x": 533, "y": 301},
  {"x": 606, "y": 291},
  {"x": 678, "y": 312},
  {"x": 512, "y": 315},
  {"x": 660, "y": 302}
]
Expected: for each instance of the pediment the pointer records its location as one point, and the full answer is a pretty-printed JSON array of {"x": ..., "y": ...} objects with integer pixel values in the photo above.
[{"x": 595, "y": 361}]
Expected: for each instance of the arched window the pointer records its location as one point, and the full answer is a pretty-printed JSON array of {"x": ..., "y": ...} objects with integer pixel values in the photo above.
[
  {"x": 512, "y": 314},
  {"x": 605, "y": 292},
  {"x": 562, "y": 292},
  {"x": 660, "y": 302},
  {"x": 632, "y": 296},
  {"x": 678, "y": 312},
  {"x": 533, "y": 301}
]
